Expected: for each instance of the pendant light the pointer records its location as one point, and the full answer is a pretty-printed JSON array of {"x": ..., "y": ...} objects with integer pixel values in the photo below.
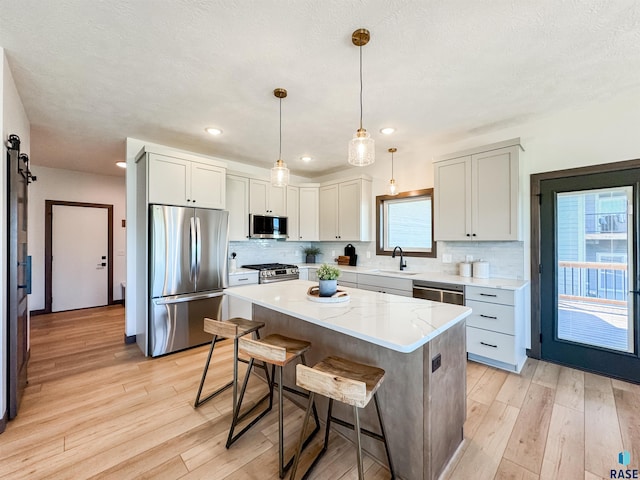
[
  {"x": 280, "y": 172},
  {"x": 393, "y": 188},
  {"x": 361, "y": 146}
]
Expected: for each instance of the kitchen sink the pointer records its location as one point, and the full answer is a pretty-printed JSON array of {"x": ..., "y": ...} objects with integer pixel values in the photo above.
[{"x": 393, "y": 272}]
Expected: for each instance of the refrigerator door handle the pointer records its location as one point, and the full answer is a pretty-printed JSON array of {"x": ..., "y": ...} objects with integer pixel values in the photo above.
[
  {"x": 185, "y": 298},
  {"x": 198, "y": 247},
  {"x": 193, "y": 241}
]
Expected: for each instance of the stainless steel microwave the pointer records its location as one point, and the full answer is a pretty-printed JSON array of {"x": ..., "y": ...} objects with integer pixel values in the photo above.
[{"x": 265, "y": 226}]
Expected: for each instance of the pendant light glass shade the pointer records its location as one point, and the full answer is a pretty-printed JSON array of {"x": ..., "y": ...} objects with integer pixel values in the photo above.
[
  {"x": 392, "y": 188},
  {"x": 280, "y": 172},
  {"x": 361, "y": 149},
  {"x": 362, "y": 146}
]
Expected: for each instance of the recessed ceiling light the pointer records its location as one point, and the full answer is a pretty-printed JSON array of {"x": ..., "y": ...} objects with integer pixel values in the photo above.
[
  {"x": 306, "y": 158},
  {"x": 387, "y": 130},
  {"x": 213, "y": 130},
  {"x": 121, "y": 164}
]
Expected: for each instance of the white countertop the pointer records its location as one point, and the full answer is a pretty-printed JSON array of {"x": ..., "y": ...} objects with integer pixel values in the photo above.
[
  {"x": 503, "y": 283},
  {"x": 399, "y": 323}
]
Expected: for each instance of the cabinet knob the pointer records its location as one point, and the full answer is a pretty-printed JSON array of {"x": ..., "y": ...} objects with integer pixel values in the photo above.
[
  {"x": 193, "y": 201},
  {"x": 188, "y": 199},
  {"x": 473, "y": 234},
  {"x": 468, "y": 235}
]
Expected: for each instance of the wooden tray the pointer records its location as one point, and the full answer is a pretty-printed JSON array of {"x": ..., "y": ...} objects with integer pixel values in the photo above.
[
  {"x": 343, "y": 260},
  {"x": 313, "y": 294}
]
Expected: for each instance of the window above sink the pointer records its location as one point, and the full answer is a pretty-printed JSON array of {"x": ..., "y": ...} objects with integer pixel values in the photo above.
[{"x": 405, "y": 220}]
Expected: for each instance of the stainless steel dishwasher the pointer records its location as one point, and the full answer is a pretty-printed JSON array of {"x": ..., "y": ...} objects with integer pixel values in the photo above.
[{"x": 439, "y": 292}]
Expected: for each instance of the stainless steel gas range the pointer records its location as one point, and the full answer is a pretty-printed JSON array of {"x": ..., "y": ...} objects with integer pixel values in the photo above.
[{"x": 275, "y": 272}]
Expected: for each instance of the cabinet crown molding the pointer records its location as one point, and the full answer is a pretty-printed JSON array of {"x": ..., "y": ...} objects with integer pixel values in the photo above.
[
  {"x": 484, "y": 148},
  {"x": 170, "y": 152},
  {"x": 346, "y": 179}
]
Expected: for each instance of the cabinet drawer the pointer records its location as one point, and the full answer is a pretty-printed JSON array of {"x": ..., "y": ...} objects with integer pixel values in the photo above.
[
  {"x": 347, "y": 284},
  {"x": 386, "y": 282},
  {"x": 243, "y": 279},
  {"x": 350, "y": 277},
  {"x": 493, "y": 295},
  {"x": 491, "y": 316},
  {"x": 496, "y": 346},
  {"x": 392, "y": 291}
]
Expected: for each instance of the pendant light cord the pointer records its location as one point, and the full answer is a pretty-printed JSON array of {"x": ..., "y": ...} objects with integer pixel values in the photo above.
[
  {"x": 280, "y": 148},
  {"x": 360, "y": 48},
  {"x": 391, "y": 165}
]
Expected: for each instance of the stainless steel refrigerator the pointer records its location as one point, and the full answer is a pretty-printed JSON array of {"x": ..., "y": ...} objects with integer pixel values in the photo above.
[{"x": 188, "y": 270}]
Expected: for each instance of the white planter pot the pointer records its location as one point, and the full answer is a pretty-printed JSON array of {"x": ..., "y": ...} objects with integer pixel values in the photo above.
[{"x": 328, "y": 287}]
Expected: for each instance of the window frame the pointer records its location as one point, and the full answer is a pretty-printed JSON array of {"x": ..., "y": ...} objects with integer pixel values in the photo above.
[{"x": 380, "y": 207}]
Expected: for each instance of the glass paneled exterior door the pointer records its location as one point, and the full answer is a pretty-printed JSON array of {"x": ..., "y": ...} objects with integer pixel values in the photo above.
[{"x": 589, "y": 285}]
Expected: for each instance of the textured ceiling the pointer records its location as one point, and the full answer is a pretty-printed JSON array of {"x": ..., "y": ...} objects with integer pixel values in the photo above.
[{"x": 91, "y": 73}]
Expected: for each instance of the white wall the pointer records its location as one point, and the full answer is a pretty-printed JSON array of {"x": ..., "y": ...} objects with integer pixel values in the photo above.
[
  {"x": 71, "y": 186},
  {"x": 13, "y": 119},
  {"x": 602, "y": 131}
]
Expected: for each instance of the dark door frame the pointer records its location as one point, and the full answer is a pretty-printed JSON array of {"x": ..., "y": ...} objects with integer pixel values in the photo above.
[
  {"x": 536, "y": 347},
  {"x": 48, "y": 248}
]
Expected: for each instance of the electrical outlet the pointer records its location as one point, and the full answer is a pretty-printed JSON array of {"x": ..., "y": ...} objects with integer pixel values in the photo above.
[
  {"x": 436, "y": 362},
  {"x": 368, "y": 254},
  {"x": 468, "y": 258},
  {"x": 446, "y": 258},
  {"x": 333, "y": 253}
]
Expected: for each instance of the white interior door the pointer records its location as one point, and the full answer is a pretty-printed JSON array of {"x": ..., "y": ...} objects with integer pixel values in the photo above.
[{"x": 79, "y": 249}]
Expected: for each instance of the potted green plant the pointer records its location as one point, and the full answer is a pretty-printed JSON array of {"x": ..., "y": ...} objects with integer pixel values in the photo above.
[
  {"x": 311, "y": 253},
  {"x": 328, "y": 279}
]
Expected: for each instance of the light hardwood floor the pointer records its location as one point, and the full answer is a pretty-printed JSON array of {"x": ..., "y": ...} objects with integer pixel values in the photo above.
[{"x": 96, "y": 408}]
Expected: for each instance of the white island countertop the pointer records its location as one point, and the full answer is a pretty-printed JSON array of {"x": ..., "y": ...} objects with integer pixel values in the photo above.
[{"x": 402, "y": 324}]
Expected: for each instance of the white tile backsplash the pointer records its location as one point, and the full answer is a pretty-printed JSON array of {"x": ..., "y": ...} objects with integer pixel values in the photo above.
[
  {"x": 506, "y": 259},
  {"x": 268, "y": 251}
]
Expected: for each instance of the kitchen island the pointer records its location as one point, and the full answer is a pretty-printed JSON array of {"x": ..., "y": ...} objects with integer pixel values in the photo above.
[{"x": 420, "y": 344}]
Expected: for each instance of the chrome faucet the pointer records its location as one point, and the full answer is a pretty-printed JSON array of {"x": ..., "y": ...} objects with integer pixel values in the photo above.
[{"x": 403, "y": 264}]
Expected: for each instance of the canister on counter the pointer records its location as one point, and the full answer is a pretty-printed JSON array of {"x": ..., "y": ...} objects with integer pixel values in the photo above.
[
  {"x": 464, "y": 269},
  {"x": 481, "y": 269}
]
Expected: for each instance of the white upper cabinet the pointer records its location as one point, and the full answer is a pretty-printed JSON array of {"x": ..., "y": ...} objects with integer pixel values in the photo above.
[
  {"x": 238, "y": 207},
  {"x": 184, "y": 182},
  {"x": 308, "y": 214},
  {"x": 293, "y": 209},
  {"x": 477, "y": 195},
  {"x": 329, "y": 212},
  {"x": 265, "y": 199},
  {"x": 345, "y": 211}
]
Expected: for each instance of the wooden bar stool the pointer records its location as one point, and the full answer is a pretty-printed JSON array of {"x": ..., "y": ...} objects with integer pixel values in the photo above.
[
  {"x": 347, "y": 382},
  {"x": 279, "y": 351},
  {"x": 232, "y": 328}
]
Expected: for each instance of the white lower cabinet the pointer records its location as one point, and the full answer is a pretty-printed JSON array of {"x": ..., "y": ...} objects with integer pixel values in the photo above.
[
  {"x": 382, "y": 284},
  {"x": 495, "y": 328},
  {"x": 237, "y": 307},
  {"x": 348, "y": 279},
  {"x": 312, "y": 274}
]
